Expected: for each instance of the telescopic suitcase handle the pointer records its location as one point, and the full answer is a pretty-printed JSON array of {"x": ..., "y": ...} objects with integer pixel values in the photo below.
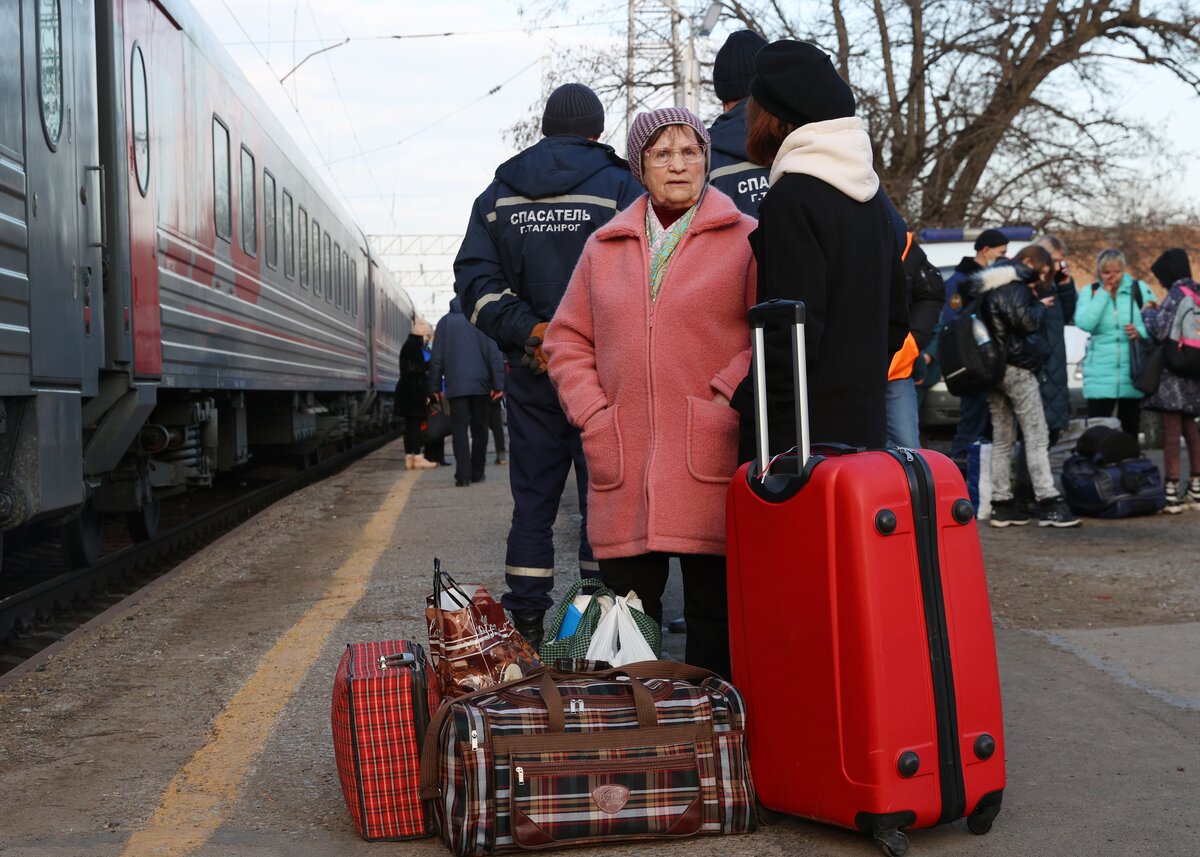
[{"x": 759, "y": 314}]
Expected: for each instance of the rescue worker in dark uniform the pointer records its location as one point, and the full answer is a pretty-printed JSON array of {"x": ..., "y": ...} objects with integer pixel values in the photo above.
[
  {"x": 743, "y": 182},
  {"x": 526, "y": 233}
]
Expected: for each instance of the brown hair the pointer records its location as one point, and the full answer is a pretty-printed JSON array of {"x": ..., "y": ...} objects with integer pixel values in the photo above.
[
  {"x": 765, "y": 135},
  {"x": 1035, "y": 256}
]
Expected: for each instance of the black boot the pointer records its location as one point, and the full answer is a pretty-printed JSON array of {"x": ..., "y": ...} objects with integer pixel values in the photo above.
[{"x": 529, "y": 625}]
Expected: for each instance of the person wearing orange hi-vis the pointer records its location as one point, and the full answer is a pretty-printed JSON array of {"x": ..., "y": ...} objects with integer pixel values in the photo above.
[{"x": 926, "y": 296}]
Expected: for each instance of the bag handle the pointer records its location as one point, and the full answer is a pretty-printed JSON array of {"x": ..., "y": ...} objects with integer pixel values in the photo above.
[
  {"x": 758, "y": 315},
  {"x": 569, "y": 596},
  {"x": 647, "y": 713}
]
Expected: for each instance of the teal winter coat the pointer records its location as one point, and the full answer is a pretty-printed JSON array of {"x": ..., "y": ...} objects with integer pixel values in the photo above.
[{"x": 1106, "y": 366}]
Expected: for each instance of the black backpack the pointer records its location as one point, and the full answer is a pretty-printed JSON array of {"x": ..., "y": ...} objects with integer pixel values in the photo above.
[{"x": 972, "y": 358}]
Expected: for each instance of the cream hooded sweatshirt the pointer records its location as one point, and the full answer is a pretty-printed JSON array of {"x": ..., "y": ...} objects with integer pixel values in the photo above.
[{"x": 837, "y": 151}]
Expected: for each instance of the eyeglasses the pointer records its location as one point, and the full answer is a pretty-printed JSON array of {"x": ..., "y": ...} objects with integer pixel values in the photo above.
[{"x": 664, "y": 157}]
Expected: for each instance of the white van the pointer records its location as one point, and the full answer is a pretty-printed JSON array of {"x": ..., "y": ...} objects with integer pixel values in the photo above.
[{"x": 945, "y": 248}]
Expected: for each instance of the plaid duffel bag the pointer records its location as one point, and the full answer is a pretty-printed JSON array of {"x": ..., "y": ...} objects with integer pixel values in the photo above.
[{"x": 652, "y": 750}]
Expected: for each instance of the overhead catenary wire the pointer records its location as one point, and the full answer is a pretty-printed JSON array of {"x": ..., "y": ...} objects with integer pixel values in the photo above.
[{"x": 439, "y": 121}]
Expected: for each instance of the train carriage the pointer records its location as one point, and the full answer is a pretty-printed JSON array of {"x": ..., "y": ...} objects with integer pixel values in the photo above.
[{"x": 178, "y": 290}]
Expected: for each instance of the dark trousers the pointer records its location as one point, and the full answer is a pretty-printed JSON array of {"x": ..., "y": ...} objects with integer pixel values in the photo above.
[
  {"x": 974, "y": 423},
  {"x": 705, "y": 601},
  {"x": 1129, "y": 412},
  {"x": 412, "y": 435},
  {"x": 496, "y": 424},
  {"x": 542, "y": 448},
  {"x": 469, "y": 413}
]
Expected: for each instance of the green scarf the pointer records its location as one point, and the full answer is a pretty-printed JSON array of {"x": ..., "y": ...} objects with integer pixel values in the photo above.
[{"x": 663, "y": 242}]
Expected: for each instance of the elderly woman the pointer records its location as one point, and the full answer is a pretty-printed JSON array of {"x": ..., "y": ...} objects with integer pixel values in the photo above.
[
  {"x": 645, "y": 349},
  {"x": 1110, "y": 309},
  {"x": 826, "y": 237}
]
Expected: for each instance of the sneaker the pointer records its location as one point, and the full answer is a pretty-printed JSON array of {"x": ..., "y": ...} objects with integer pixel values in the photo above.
[
  {"x": 529, "y": 625},
  {"x": 500, "y": 459},
  {"x": 677, "y": 626},
  {"x": 1175, "y": 503},
  {"x": 1008, "y": 513},
  {"x": 1056, "y": 513},
  {"x": 1193, "y": 492}
]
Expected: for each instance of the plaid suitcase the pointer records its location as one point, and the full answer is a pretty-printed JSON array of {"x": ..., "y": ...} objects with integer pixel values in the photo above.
[
  {"x": 654, "y": 750},
  {"x": 383, "y": 696}
]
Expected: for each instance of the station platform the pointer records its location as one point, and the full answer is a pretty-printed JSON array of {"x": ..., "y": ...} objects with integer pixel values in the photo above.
[{"x": 196, "y": 720}]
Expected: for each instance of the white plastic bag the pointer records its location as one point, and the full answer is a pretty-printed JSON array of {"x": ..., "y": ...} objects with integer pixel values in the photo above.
[{"x": 617, "y": 638}]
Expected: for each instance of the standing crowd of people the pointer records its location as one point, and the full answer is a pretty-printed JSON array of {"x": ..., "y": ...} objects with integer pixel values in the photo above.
[{"x": 606, "y": 300}]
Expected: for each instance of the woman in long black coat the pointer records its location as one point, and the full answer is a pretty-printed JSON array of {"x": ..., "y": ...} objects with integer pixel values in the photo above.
[
  {"x": 411, "y": 400},
  {"x": 825, "y": 237}
]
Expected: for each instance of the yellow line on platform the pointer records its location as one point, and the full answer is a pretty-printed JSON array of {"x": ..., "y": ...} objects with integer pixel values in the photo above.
[{"x": 206, "y": 789}]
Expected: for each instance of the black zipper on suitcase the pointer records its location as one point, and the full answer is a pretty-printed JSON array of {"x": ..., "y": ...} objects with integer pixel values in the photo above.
[{"x": 924, "y": 496}]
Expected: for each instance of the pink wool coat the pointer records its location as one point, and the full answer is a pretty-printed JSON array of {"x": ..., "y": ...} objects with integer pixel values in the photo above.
[{"x": 639, "y": 378}]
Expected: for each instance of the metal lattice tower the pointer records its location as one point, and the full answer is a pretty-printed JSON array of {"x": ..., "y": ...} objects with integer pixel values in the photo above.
[{"x": 661, "y": 63}]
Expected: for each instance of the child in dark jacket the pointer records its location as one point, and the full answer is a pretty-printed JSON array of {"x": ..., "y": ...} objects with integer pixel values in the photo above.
[{"x": 1013, "y": 314}]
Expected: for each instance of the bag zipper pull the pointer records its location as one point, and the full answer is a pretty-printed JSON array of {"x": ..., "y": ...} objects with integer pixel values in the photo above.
[
  {"x": 520, "y": 776},
  {"x": 474, "y": 739},
  {"x": 908, "y": 453}
]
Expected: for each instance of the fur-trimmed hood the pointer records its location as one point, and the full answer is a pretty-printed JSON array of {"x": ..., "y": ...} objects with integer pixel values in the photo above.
[
  {"x": 837, "y": 151},
  {"x": 1002, "y": 274}
]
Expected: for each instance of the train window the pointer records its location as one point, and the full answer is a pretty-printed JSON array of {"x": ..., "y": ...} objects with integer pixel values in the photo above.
[
  {"x": 141, "y": 120},
  {"x": 327, "y": 280},
  {"x": 348, "y": 282},
  {"x": 50, "y": 73},
  {"x": 289, "y": 244},
  {"x": 303, "y": 248},
  {"x": 316, "y": 258},
  {"x": 270, "y": 227},
  {"x": 354, "y": 288},
  {"x": 249, "y": 204},
  {"x": 337, "y": 272},
  {"x": 222, "y": 214}
]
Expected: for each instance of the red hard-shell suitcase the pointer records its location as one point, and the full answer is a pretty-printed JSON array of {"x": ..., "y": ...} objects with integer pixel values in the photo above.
[
  {"x": 383, "y": 697},
  {"x": 860, "y": 632}
]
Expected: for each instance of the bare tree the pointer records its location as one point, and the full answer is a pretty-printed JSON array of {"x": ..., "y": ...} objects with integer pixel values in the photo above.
[{"x": 983, "y": 111}]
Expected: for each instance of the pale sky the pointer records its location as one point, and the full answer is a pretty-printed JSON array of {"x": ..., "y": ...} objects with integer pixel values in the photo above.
[{"x": 364, "y": 96}]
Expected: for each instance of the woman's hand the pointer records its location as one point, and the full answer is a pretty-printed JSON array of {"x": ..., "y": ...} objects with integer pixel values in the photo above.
[
  {"x": 720, "y": 399},
  {"x": 1132, "y": 332}
]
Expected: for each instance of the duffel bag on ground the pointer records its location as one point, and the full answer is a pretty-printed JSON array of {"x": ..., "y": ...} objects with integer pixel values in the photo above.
[
  {"x": 653, "y": 750},
  {"x": 1121, "y": 490}
]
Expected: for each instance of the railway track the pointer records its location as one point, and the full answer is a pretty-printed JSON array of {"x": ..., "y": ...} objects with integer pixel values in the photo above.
[{"x": 57, "y": 601}]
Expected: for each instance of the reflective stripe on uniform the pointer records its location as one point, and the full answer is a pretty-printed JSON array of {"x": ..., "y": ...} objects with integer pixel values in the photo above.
[
  {"x": 550, "y": 200},
  {"x": 589, "y": 565},
  {"x": 524, "y": 571},
  {"x": 734, "y": 168},
  {"x": 491, "y": 218},
  {"x": 487, "y": 299}
]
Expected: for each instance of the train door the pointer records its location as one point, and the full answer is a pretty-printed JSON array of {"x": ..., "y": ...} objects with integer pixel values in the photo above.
[{"x": 65, "y": 187}]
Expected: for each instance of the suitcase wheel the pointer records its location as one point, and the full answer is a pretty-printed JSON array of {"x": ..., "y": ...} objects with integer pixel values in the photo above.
[
  {"x": 980, "y": 821},
  {"x": 893, "y": 842}
]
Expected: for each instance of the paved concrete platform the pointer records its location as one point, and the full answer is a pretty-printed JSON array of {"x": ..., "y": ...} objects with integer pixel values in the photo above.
[{"x": 196, "y": 722}]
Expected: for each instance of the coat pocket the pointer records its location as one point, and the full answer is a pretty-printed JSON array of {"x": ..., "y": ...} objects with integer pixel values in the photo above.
[
  {"x": 712, "y": 440},
  {"x": 602, "y": 448}
]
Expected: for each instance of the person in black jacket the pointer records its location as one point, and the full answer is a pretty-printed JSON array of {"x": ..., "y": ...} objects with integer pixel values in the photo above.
[
  {"x": 1056, "y": 396},
  {"x": 526, "y": 232},
  {"x": 470, "y": 366},
  {"x": 412, "y": 395},
  {"x": 825, "y": 237},
  {"x": 742, "y": 180},
  {"x": 1013, "y": 313},
  {"x": 926, "y": 296}
]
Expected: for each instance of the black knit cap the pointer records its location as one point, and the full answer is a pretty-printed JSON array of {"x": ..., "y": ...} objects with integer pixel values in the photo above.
[
  {"x": 796, "y": 82},
  {"x": 1171, "y": 267},
  {"x": 991, "y": 238},
  {"x": 733, "y": 68},
  {"x": 573, "y": 109}
]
